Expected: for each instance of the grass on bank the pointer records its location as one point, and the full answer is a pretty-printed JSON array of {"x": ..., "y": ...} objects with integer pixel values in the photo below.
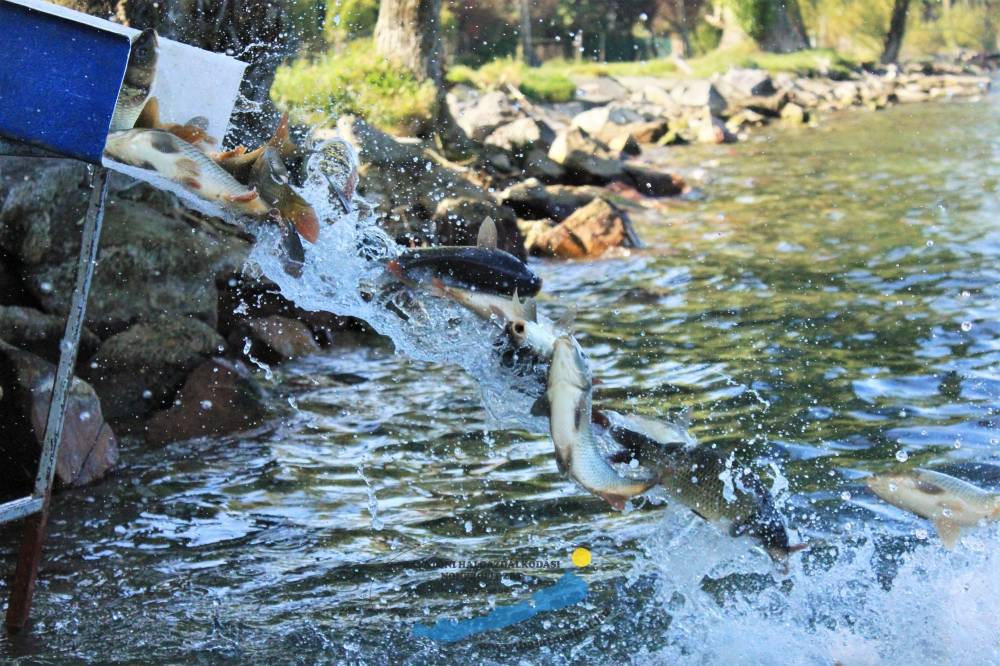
[{"x": 354, "y": 81}]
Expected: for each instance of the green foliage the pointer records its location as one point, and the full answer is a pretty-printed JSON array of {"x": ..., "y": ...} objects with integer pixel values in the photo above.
[
  {"x": 548, "y": 83},
  {"x": 350, "y": 19},
  {"x": 355, "y": 81},
  {"x": 704, "y": 38},
  {"x": 754, "y": 16},
  {"x": 804, "y": 63},
  {"x": 964, "y": 26}
]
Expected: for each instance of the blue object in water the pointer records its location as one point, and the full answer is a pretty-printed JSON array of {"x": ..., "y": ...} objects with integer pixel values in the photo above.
[
  {"x": 568, "y": 590},
  {"x": 59, "y": 81}
]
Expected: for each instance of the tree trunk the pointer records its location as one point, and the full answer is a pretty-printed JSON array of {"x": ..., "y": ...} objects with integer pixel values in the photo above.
[
  {"x": 407, "y": 32},
  {"x": 526, "y": 45},
  {"x": 254, "y": 31},
  {"x": 897, "y": 26},
  {"x": 774, "y": 25}
]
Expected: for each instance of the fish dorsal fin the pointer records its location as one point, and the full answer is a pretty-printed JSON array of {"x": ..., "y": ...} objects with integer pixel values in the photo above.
[
  {"x": 487, "y": 236},
  {"x": 149, "y": 117},
  {"x": 530, "y": 308},
  {"x": 516, "y": 307},
  {"x": 280, "y": 133},
  {"x": 565, "y": 322},
  {"x": 948, "y": 530}
]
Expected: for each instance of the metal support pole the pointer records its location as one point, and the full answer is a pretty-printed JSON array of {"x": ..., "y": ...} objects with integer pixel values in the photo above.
[{"x": 34, "y": 533}]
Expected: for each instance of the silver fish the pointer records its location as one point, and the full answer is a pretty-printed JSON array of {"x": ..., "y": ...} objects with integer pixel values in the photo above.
[
  {"x": 569, "y": 405},
  {"x": 139, "y": 75},
  {"x": 949, "y": 503}
]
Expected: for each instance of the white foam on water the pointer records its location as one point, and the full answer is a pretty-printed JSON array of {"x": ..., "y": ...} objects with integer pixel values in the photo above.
[{"x": 941, "y": 606}]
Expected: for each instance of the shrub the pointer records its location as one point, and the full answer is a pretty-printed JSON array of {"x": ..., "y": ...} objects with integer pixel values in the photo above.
[
  {"x": 350, "y": 19},
  {"x": 357, "y": 82}
]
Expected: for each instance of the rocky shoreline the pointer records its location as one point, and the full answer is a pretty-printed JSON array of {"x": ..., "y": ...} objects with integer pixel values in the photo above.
[{"x": 173, "y": 322}]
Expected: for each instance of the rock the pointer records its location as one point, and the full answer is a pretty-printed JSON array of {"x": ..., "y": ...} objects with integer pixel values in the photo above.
[
  {"x": 409, "y": 184},
  {"x": 654, "y": 183},
  {"x": 532, "y": 229},
  {"x": 713, "y": 130},
  {"x": 661, "y": 96},
  {"x": 522, "y": 135},
  {"x": 585, "y": 158},
  {"x": 219, "y": 397},
  {"x": 610, "y": 123},
  {"x": 458, "y": 223},
  {"x": 698, "y": 93},
  {"x": 151, "y": 262},
  {"x": 625, "y": 144},
  {"x": 598, "y": 90},
  {"x": 538, "y": 165},
  {"x": 745, "y": 83},
  {"x": 39, "y": 333},
  {"x": 242, "y": 297},
  {"x": 589, "y": 232},
  {"x": 88, "y": 449},
  {"x": 274, "y": 339},
  {"x": 744, "y": 119},
  {"x": 793, "y": 113},
  {"x": 140, "y": 369},
  {"x": 480, "y": 117},
  {"x": 531, "y": 200},
  {"x": 906, "y": 95}
]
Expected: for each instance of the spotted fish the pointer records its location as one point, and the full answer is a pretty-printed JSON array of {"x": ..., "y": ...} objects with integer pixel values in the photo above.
[{"x": 182, "y": 163}]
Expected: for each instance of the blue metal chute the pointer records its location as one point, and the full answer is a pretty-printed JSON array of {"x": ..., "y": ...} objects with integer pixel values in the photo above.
[{"x": 59, "y": 81}]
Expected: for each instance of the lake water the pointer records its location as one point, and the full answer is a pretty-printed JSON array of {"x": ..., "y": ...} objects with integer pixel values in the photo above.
[{"x": 830, "y": 308}]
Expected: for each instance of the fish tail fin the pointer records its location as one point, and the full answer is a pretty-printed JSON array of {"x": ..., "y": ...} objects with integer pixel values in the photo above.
[
  {"x": 230, "y": 154},
  {"x": 305, "y": 220},
  {"x": 280, "y": 138}
]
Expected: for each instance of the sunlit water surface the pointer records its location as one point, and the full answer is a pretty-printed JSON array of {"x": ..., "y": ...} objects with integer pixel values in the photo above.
[{"x": 830, "y": 309}]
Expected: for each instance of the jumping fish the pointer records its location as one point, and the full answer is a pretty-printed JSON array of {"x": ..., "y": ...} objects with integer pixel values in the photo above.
[
  {"x": 271, "y": 179},
  {"x": 139, "y": 75},
  {"x": 180, "y": 162},
  {"x": 700, "y": 478},
  {"x": 483, "y": 268},
  {"x": 569, "y": 404},
  {"x": 239, "y": 162},
  {"x": 337, "y": 161},
  {"x": 949, "y": 503}
]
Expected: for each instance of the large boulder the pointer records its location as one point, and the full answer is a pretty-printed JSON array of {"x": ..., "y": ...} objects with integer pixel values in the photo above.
[
  {"x": 615, "y": 124},
  {"x": 699, "y": 94},
  {"x": 750, "y": 89},
  {"x": 274, "y": 339},
  {"x": 654, "y": 183},
  {"x": 589, "y": 232},
  {"x": 522, "y": 135},
  {"x": 39, "y": 333},
  {"x": 139, "y": 370},
  {"x": 423, "y": 198},
  {"x": 481, "y": 115},
  {"x": 88, "y": 448},
  {"x": 585, "y": 158},
  {"x": 595, "y": 91},
  {"x": 154, "y": 259},
  {"x": 458, "y": 222},
  {"x": 219, "y": 397},
  {"x": 532, "y": 200}
]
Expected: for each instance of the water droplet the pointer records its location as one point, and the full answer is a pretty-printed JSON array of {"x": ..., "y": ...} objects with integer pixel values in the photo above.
[
  {"x": 65, "y": 346},
  {"x": 846, "y": 496},
  {"x": 966, "y": 326},
  {"x": 84, "y": 416},
  {"x": 966, "y": 294},
  {"x": 902, "y": 456},
  {"x": 633, "y": 464},
  {"x": 946, "y": 513},
  {"x": 206, "y": 404},
  {"x": 147, "y": 394},
  {"x": 45, "y": 287},
  {"x": 920, "y": 534},
  {"x": 893, "y": 487},
  {"x": 468, "y": 527}
]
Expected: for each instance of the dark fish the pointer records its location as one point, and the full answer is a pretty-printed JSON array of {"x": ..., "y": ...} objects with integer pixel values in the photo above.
[
  {"x": 139, "y": 76},
  {"x": 483, "y": 267},
  {"x": 699, "y": 478}
]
